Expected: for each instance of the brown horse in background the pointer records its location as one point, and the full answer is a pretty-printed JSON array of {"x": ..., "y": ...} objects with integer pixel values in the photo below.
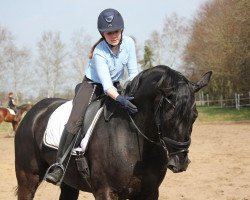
[{"x": 6, "y": 116}]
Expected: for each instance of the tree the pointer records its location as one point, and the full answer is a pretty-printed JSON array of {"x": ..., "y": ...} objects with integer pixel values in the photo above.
[
  {"x": 51, "y": 61},
  {"x": 81, "y": 45},
  {"x": 148, "y": 58},
  {"x": 6, "y": 42},
  {"x": 14, "y": 64},
  {"x": 175, "y": 36},
  {"x": 220, "y": 42},
  {"x": 157, "y": 46},
  {"x": 168, "y": 45},
  {"x": 17, "y": 67}
]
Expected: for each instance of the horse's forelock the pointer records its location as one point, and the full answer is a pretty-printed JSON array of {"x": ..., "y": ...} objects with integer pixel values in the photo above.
[
  {"x": 176, "y": 84},
  {"x": 184, "y": 101}
]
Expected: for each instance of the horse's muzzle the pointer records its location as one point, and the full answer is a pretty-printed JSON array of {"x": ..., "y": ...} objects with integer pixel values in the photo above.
[{"x": 176, "y": 165}]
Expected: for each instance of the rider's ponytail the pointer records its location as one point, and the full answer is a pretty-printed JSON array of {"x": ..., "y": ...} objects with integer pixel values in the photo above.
[{"x": 93, "y": 47}]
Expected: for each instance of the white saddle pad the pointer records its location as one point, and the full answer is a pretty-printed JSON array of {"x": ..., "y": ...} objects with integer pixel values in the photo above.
[
  {"x": 56, "y": 124},
  {"x": 12, "y": 112}
]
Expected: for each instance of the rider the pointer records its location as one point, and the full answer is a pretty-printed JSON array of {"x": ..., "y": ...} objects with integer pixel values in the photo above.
[
  {"x": 108, "y": 59},
  {"x": 12, "y": 103}
]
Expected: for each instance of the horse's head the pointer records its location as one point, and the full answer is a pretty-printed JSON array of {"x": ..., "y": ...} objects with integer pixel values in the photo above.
[{"x": 173, "y": 110}]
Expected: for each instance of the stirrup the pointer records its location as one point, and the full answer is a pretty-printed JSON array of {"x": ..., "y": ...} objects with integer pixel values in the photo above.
[{"x": 55, "y": 165}]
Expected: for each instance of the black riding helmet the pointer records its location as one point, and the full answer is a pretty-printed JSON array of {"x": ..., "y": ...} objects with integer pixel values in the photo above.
[{"x": 109, "y": 20}]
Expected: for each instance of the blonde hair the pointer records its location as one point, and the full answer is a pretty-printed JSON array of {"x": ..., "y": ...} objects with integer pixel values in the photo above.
[{"x": 93, "y": 48}]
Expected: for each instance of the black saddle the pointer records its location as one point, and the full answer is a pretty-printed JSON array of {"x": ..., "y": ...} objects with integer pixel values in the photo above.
[{"x": 109, "y": 106}]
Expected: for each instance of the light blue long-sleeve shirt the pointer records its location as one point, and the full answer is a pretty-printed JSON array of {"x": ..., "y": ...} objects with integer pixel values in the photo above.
[{"x": 105, "y": 67}]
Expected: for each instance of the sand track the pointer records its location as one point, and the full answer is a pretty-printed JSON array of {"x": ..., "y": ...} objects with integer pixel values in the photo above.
[{"x": 220, "y": 167}]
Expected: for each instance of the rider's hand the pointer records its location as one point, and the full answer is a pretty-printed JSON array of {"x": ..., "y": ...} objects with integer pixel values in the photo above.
[{"x": 125, "y": 102}]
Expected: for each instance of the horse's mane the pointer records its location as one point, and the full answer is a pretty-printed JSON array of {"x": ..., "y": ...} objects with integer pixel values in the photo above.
[
  {"x": 158, "y": 72},
  {"x": 168, "y": 80}
]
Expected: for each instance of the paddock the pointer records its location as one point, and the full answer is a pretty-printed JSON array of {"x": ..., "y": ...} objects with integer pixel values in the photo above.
[{"x": 219, "y": 168}]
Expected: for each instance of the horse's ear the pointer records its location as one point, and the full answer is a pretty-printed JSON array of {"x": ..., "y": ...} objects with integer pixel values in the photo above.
[{"x": 202, "y": 82}]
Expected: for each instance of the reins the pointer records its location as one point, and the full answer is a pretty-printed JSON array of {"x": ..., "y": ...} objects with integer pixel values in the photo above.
[{"x": 139, "y": 131}]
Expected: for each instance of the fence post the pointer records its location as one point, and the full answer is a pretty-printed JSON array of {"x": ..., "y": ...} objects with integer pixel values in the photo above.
[
  {"x": 249, "y": 97},
  {"x": 238, "y": 101},
  {"x": 208, "y": 100},
  {"x": 221, "y": 101},
  {"x": 202, "y": 98}
]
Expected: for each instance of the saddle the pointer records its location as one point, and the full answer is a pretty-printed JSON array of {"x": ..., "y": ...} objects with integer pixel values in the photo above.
[
  {"x": 109, "y": 106},
  {"x": 105, "y": 105},
  {"x": 12, "y": 112},
  {"x": 102, "y": 107}
]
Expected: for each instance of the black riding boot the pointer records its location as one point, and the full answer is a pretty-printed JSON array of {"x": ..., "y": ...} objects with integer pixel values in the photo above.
[{"x": 58, "y": 170}]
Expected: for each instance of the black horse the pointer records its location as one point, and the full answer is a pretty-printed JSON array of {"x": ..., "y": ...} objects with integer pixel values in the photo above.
[{"x": 129, "y": 155}]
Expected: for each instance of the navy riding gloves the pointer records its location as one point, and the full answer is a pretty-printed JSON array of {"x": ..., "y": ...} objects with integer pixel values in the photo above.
[{"x": 125, "y": 102}]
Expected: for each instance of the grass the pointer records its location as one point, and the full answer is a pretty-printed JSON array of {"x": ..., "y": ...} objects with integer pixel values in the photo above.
[
  {"x": 212, "y": 114},
  {"x": 5, "y": 129}
]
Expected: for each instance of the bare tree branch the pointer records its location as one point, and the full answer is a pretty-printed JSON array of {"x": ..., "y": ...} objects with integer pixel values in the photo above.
[{"x": 51, "y": 61}]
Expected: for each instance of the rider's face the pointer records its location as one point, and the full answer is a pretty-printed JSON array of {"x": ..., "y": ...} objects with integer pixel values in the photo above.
[{"x": 114, "y": 37}]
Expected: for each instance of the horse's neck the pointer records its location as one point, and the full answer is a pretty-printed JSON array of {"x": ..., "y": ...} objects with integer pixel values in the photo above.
[
  {"x": 21, "y": 111},
  {"x": 146, "y": 123},
  {"x": 148, "y": 139}
]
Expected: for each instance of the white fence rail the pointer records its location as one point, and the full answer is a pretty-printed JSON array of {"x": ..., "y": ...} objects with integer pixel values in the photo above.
[{"x": 238, "y": 101}]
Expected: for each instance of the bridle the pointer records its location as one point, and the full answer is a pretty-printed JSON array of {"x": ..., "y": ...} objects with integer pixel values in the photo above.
[{"x": 180, "y": 147}]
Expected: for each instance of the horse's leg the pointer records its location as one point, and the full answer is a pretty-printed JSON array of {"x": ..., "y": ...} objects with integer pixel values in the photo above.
[
  {"x": 105, "y": 194},
  {"x": 14, "y": 126},
  {"x": 27, "y": 185},
  {"x": 28, "y": 165},
  {"x": 68, "y": 192},
  {"x": 146, "y": 196}
]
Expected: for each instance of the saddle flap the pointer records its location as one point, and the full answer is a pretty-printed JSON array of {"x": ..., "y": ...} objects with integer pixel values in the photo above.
[
  {"x": 90, "y": 114},
  {"x": 109, "y": 108}
]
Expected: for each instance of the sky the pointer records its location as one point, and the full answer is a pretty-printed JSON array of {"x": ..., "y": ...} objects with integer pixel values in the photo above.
[{"x": 28, "y": 19}]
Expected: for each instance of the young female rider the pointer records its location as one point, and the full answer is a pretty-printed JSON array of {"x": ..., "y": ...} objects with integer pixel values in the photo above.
[
  {"x": 11, "y": 103},
  {"x": 109, "y": 57}
]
